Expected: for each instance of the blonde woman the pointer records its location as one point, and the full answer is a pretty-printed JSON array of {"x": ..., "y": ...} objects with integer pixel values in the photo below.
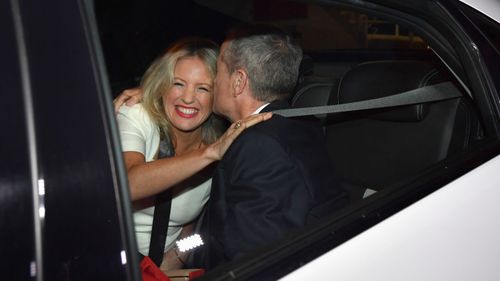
[{"x": 178, "y": 91}]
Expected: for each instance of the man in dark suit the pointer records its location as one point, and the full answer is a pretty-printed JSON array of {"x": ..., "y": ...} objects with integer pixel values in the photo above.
[{"x": 276, "y": 176}]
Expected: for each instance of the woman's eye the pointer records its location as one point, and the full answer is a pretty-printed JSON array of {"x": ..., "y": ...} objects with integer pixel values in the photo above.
[
  {"x": 178, "y": 84},
  {"x": 205, "y": 89}
]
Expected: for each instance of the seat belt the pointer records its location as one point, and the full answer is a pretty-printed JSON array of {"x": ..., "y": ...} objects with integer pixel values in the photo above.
[
  {"x": 432, "y": 93},
  {"x": 161, "y": 215}
]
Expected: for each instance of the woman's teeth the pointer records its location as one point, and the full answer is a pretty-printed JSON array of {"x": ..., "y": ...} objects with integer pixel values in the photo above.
[{"x": 187, "y": 110}]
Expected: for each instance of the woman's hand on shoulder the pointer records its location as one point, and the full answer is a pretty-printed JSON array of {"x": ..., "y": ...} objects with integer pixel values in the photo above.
[
  {"x": 217, "y": 149},
  {"x": 128, "y": 97}
]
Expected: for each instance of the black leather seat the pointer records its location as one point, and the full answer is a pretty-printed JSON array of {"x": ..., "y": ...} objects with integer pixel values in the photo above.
[{"x": 375, "y": 148}]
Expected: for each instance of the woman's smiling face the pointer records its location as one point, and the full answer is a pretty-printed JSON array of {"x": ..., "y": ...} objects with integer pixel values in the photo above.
[{"x": 188, "y": 102}]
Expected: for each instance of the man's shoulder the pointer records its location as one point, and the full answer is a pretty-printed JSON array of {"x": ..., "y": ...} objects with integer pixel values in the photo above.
[
  {"x": 256, "y": 140},
  {"x": 284, "y": 126},
  {"x": 278, "y": 134}
]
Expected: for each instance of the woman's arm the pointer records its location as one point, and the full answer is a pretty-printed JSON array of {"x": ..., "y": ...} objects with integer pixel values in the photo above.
[{"x": 150, "y": 178}]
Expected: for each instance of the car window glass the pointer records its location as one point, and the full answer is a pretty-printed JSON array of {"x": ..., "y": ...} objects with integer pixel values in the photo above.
[{"x": 324, "y": 28}]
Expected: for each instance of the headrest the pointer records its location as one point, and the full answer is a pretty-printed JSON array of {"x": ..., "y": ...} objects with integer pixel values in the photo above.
[
  {"x": 384, "y": 78},
  {"x": 314, "y": 94},
  {"x": 306, "y": 66}
]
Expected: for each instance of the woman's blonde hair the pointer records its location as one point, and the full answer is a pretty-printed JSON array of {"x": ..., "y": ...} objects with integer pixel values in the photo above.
[{"x": 159, "y": 78}]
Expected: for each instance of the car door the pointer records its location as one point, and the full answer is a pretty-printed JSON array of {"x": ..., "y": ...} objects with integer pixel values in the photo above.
[{"x": 63, "y": 196}]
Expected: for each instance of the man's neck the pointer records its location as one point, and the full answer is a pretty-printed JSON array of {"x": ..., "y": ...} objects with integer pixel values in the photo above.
[{"x": 250, "y": 108}]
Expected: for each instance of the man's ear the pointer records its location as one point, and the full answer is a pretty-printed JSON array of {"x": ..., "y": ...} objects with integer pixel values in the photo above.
[{"x": 239, "y": 81}]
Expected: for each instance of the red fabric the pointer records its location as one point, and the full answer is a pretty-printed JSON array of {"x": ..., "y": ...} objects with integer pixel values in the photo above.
[
  {"x": 151, "y": 272},
  {"x": 196, "y": 274}
]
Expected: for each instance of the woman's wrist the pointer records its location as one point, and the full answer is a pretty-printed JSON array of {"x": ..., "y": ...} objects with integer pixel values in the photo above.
[{"x": 210, "y": 153}]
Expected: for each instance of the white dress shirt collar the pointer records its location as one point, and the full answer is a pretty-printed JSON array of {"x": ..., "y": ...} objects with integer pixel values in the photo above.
[{"x": 258, "y": 110}]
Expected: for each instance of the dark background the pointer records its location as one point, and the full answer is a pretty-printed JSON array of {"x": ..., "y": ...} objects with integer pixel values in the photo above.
[{"x": 134, "y": 32}]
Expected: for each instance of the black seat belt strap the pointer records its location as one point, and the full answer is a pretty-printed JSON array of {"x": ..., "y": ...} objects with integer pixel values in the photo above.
[
  {"x": 159, "y": 229},
  {"x": 432, "y": 93},
  {"x": 161, "y": 216}
]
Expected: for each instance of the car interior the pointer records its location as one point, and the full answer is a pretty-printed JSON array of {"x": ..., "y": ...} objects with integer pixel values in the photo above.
[
  {"x": 366, "y": 57},
  {"x": 377, "y": 148},
  {"x": 349, "y": 56}
]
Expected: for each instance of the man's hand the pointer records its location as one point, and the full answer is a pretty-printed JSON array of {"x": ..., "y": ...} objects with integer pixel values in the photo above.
[{"x": 128, "y": 97}]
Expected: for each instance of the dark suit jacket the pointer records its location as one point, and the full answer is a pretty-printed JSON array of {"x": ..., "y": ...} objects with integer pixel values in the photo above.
[{"x": 267, "y": 184}]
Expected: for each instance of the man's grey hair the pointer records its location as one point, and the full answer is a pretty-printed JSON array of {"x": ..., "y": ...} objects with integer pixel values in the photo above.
[{"x": 270, "y": 57}]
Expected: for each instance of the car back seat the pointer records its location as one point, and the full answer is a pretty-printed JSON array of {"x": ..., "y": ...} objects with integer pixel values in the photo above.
[{"x": 373, "y": 149}]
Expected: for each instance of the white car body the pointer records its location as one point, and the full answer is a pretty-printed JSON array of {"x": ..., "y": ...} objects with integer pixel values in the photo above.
[
  {"x": 445, "y": 236},
  {"x": 487, "y": 7}
]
